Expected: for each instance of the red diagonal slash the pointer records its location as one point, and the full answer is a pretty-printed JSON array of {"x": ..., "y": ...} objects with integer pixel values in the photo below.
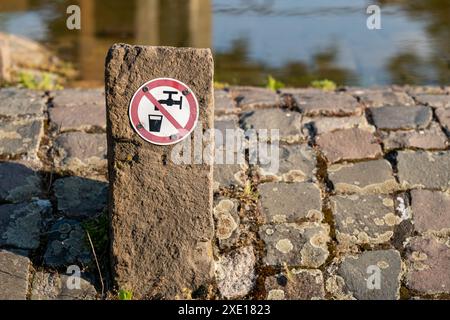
[{"x": 163, "y": 111}]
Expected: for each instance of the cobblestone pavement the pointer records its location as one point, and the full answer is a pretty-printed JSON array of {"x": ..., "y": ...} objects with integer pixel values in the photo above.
[{"x": 363, "y": 190}]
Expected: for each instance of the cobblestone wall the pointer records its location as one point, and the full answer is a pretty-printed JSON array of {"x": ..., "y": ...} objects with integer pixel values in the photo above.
[{"x": 363, "y": 187}]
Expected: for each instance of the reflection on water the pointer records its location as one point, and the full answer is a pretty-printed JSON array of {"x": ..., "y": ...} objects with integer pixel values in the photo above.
[{"x": 295, "y": 41}]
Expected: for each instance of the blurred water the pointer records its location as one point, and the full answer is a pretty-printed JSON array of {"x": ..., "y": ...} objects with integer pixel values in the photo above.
[{"x": 296, "y": 41}]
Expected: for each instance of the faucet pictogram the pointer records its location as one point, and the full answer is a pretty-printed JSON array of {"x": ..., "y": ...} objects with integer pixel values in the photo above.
[{"x": 170, "y": 101}]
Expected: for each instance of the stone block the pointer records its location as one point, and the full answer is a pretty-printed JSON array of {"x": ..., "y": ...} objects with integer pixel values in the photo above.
[
  {"x": 67, "y": 245},
  {"x": 366, "y": 177},
  {"x": 75, "y": 109},
  {"x": 80, "y": 197},
  {"x": 444, "y": 118},
  {"x": 296, "y": 284},
  {"x": 430, "y": 210},
  {"x": 428, "y": 265},
  {"x": 364, "y": 219},
  {"x": 224, "y": 103},
  {"x": 348, "y": 144},
  {"x": 421, "y": 169},
  {"x": 79, "y": 152},
  {"x": 381, "y": 98},
  {"x": 235, "y": 273},
  {"x": 401, "y": 117},
  {"x": 316, "y": 126},
  {"x": 294, "y": 163},
  {"x": 287, "y": 122},
  {"x": 227, "y": 220},
  {"x": 294, "y": 244},
  {"x": 434, "y": 100},
  {"x": 290, "y": 202},
  {"x": 14, "y": 275},
  {"x": 253, "y": 97},
  {"x": 15, "y": 102},
  {"x": 18, "y": 182},
  {"x": 54, "y": 286},
  {"x": 372, "y": 275},
  {"x": 327, "y": 103},
  {"x": 21, "y": 138},
  {"x": 432, "y": 138},
  {"x": 21, "y": 224}
]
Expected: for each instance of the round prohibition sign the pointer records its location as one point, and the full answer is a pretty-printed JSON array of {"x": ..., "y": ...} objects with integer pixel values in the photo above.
[{"x": 164, "y": 111}]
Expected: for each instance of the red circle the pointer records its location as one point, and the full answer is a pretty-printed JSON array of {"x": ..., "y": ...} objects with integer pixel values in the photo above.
[{"x": 183, "y": 132}]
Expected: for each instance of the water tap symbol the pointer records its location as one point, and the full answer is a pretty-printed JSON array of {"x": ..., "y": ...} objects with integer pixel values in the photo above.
[{"x": 170, "y": 101}]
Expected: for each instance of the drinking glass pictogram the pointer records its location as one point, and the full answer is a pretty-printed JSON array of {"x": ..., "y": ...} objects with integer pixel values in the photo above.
[{"x": 155, "y": 122}]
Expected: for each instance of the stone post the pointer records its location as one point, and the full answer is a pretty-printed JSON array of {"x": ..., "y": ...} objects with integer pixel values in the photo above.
[{"x": 161, "y": 212}]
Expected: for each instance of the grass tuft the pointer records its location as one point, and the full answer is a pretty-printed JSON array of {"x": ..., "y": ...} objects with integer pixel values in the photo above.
[
  {"x": 43, "y": 81},
  {"x": 326, "y": 85},
  {"x": 274, "y": 84},
  {"x": 125, "y": 295}
]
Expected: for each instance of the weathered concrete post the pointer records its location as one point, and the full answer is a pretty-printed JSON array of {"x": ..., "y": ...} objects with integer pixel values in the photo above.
[{"x": 161, "y": 212}]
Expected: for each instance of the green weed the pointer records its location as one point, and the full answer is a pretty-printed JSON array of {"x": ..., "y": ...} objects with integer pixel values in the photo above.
[
  {"x": 249, "y": 192},
  {"x": 37, "y": 82},
  {"x": 325, "y": 84},
  {"x": 274, "y": 84},
  {"x": 220, "y": 85},
  {"x": 125, "y": 295},
  {"x": 98, "y": 231}
]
